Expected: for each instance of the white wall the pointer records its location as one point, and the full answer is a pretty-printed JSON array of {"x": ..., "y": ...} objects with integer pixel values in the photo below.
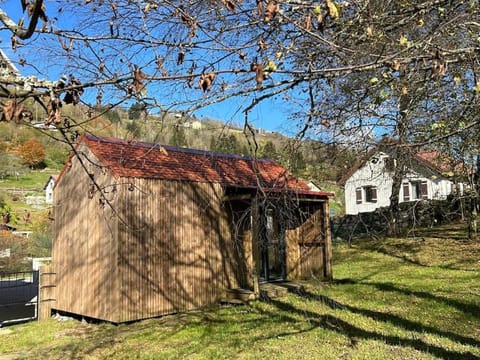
[
  {"x": 374, "y": 174},
  {"x": 371, "y": 174},
  {"x": 438, "y": 189},
  {"x": 49, "y": 191}
]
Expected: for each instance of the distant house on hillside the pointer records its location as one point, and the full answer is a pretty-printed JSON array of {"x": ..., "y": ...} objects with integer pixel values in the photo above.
[
  {"x": 368, "y": 185},
  {"x": 48, "y": 188},
  {"x": 142, "y": 230}
]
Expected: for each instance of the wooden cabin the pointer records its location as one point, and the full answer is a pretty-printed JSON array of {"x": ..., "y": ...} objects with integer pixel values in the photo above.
[{"x": 143, "y": 230}]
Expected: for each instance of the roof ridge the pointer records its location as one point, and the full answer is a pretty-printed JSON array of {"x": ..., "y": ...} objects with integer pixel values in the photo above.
[{"x": 146, "y": 144}]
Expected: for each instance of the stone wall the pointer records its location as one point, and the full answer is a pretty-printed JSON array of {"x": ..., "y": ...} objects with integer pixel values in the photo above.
[{"x": 412, "y": 214}]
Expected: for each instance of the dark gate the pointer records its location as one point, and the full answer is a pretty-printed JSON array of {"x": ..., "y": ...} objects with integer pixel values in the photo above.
[
  {"x": 273, "y": 257},
  {"x": 18, "y": 296}
]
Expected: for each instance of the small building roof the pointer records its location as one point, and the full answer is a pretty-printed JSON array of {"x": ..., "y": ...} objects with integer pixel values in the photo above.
[{"x": 149, "y": 160}]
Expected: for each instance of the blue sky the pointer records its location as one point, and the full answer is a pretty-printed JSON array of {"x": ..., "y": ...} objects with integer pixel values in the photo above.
[{"x": 271, "y": 114}]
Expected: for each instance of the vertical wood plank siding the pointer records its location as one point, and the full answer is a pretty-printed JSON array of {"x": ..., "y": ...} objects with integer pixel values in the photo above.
[
  {"x": 308, "y": 243},
  {"x": 84, "y": 243},
  {"x": 175, "y": 248}
]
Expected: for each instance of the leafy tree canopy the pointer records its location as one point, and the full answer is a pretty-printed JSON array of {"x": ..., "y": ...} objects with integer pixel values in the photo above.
[{"x": 31, "y": 153}]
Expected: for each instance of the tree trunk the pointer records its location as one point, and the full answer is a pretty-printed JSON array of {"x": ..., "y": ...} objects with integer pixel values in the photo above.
[
  {"x": 394, "y": 208},
  {"x": 400, "y": 154}
]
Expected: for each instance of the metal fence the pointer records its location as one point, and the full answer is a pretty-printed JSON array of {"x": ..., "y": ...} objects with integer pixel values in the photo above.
[{"x": 18, "y": 296}]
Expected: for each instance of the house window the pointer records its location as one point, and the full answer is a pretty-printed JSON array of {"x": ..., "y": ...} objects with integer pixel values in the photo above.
[
  {"x": 367, "y": 194},
  {"x": 370, "y": 194},
  {"x": 358, "y": 195},
  {"x": 415, "y": 190},
  {"x": 424, "y": 190}
]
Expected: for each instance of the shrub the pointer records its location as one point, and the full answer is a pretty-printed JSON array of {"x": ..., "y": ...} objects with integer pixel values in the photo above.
[{"x": 31, "y": 153}]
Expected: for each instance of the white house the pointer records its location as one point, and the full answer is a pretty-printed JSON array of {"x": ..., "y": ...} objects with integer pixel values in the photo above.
[
  {"x": 368, "y": 185},
  {"x": 49, "y": 185}
]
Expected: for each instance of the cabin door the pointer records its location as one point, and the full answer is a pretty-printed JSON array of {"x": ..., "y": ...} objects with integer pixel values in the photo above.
[{"x": 273, "y": 248}]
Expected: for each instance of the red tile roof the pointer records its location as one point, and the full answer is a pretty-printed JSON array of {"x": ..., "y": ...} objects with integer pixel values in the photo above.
[
  {"x": 148, "y": 160},
  {"x": 444, "y": 163}
]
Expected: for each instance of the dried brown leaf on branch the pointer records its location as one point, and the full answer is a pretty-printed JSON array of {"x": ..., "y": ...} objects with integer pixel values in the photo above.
[
  {"x": 396, "y": 65},
  {"x": 260, "y": 7},
  {"x": 308, "y": 22},
  {"x": 271, "y": 11},
  {"x": 150, "y": 6},
  {"x": 259, "y": 73},
  {"x": 188, "y": 20},
  {"x": 12, "y": 110},
  {"x": 230, "y": 5},
  {"x": 72, "y": 96},
  {"x": 114, "y": 8},
  {"x": 262, "y": 45},
  {"x": 439, "y": 66},
  {"x": 137, "y": 86},
  {"x": 206, "y": 81},
  {"x": 54, "y": 114}
]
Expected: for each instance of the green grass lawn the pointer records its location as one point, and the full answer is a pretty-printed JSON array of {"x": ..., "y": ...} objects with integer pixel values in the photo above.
[
  {"x": 34, "y": 179},
  {"x": 411, "y": 298}
]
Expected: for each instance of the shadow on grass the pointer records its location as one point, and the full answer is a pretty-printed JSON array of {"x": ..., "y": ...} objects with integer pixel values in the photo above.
[
  {"x": 333, "y": 323},
  {"x": 390, "y": 318},
  {"x": 401, "y": 257},
  {"x": 466, "y": 308},
  {"x": 396, "y": 250},
  {"x": 451, "y": 231}
]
